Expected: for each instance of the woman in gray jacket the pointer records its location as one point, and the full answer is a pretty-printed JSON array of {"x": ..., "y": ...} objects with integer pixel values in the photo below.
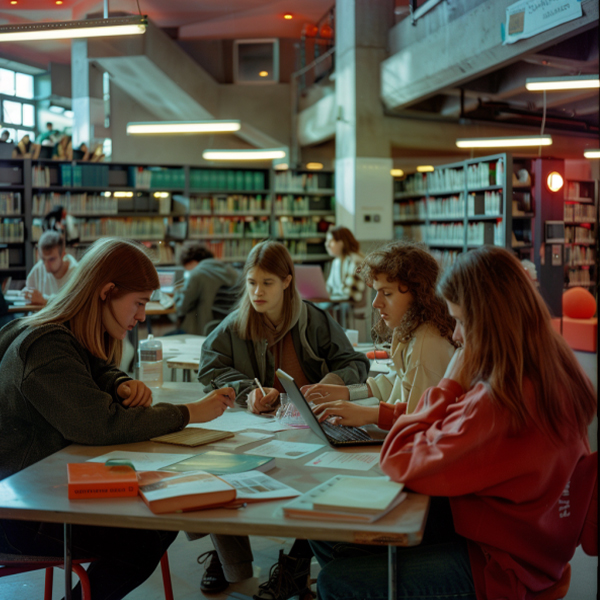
[
  {"x": 60, "y": 384},
  {"x": 272, "y": 328}
]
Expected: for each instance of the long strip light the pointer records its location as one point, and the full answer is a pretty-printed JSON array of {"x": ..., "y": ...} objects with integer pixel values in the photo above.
[
  {"x": 183, "y": 127},
  {"x": 257, "y": 154},
  {"x": 505, "y": 142},
  {"x": 592, "y": 153},
  {"x": 575, "y": 82},
  {"x": 73, "y": 29}
]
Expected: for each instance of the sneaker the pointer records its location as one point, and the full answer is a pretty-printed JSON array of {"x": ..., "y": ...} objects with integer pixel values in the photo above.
[
  {"x": 213, "y": 581},
  {"x": 288, "y": 577}
]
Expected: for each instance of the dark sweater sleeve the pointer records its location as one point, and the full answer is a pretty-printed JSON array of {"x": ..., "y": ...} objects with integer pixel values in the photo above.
[
  {"x": 62, "y": 389},
  {"x": 108, "y": 377}
]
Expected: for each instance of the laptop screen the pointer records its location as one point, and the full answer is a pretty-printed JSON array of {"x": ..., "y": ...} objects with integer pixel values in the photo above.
[{"x": 167, "y": 281}]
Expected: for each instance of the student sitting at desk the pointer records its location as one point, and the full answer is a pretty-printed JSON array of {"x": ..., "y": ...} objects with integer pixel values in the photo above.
[
  {"x": 416, "y": 319},
  {"x": 52, "y": 271},
  {"x": 59, "y": 385},
  {"x": 343, "y": 282},
  {"x": 503, "y": 436},
  {"x": 272, "y": 328},
  {"x": 208, "y": 292}
]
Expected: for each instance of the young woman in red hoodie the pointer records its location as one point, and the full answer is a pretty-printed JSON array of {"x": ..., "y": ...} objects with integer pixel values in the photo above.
[{"x": 503, "y": 437}]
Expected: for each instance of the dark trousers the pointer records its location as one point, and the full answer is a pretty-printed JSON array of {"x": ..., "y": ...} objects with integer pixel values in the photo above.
[{"x": 125, "y": 557}]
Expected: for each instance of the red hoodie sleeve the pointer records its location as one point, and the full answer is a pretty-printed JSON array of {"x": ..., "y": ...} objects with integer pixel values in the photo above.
[{"x": 453, "y": 444}]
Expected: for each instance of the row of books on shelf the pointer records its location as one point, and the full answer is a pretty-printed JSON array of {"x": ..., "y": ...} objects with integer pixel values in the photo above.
[
  {"x": 411, "y": 209},
  {"x": 228, "y": 179},
  {"x": 445, "y": 258},
  {"x": 579, "y": 234},
  {"x": 580, "y": 255},
  {"x": 585, "y": 213},
  {"x": 75, "y": 203},
  {"x": 12, "y": 230},
  {"x": 287, "y": 181},
  {"x": 299, "y": 227},
  {"x": 450, "y": 207},
  {"x": 240, "y": 226},
  {"x": 69, "y": 175},
  {"x": 485, "y": 174},
  {"x": 442, "y": 180},
  {"x": 579, "y": 277},
  {"x": 579, "y": 190},
  {"x": 231, "y": 249},
  {"x": 159, "y": 252},
  {"x": 4, "y": 259},
  {"x": 229, "y": 204},
  {"x": 156, "y": 177},
  {"x": 292, "y": 204},
  {"x": 451, "y": 233},
  {"x": 10, "y": 203}
]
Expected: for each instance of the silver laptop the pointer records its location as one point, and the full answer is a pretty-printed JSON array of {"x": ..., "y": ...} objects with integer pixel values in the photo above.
[
  {"x": 310, "y": 282},
  {"x": 334, "y": 435}
]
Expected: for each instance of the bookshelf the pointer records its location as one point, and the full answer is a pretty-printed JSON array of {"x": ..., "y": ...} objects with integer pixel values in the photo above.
[
  {"x": 460, "y": 206},
  {"x": 229, "y": 210},
  {"x": 581, "y": 233}
]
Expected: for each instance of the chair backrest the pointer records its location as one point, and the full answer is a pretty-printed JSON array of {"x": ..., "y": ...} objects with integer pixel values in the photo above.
[{"x": 589, "y": 534}]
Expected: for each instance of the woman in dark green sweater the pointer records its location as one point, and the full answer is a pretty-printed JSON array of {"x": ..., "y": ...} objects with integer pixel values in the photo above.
[{"x": 60, "y": 384}]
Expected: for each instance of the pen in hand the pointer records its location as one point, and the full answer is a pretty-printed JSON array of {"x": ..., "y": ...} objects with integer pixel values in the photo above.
[
  {"x": 214, "y": 386},
  {"x": 260, "y": 387}
]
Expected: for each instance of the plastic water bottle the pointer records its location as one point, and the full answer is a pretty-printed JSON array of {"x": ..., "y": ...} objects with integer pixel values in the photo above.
[{"x": 151, "y": 363}]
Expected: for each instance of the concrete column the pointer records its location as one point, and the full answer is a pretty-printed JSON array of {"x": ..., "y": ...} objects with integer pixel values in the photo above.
[
  {"x": 87, "y": 104},
  {"x": 364, "y": 187}
]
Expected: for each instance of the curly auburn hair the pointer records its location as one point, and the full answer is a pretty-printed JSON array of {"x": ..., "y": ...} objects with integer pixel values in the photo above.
[{"x": 416, "y": 271}]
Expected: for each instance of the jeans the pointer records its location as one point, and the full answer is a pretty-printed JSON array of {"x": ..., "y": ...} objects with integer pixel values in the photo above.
[
  {"x": 438, "y": 568},
  {"x": 125, "y": 558}
]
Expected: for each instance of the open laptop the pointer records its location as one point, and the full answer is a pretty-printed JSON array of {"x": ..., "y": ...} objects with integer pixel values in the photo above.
[
  {"x": 335, "y": 435},
  {"x": 169, "y": 278},
  {"x": 310, "y": 282}
]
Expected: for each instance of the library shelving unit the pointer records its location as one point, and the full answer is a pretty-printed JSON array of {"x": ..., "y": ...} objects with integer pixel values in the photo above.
[
  {"x": 460, "y": 206},
  {"x": 230, "y": 210},
  {"x": 304, "y": 209},
  {"x": 581, "y": 233}
]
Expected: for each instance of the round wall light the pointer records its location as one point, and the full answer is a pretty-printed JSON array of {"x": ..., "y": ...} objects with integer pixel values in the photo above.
[{"x": 555, "y": 181}]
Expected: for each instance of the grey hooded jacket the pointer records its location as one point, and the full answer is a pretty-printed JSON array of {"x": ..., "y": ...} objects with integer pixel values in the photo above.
[
  {"x": 54, "y": 393},
  {"x": 195, "y": 304},
  {"x": 321, "y": 346}
]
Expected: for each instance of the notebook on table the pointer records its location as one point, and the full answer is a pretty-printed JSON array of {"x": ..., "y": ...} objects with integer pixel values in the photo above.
[
  {"x": 335, "y": 435},
  {"x": 310, "y": 282}
]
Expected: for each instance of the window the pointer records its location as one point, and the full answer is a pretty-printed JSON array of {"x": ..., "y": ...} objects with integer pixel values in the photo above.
[
  {"x": 17, "y": 107},
  {"x": 256, "y": 61}
]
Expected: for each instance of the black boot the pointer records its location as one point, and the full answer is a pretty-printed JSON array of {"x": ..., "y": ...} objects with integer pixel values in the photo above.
[
  {"x": 213, "y": 581},
  {"x": 288, "y": 577}
]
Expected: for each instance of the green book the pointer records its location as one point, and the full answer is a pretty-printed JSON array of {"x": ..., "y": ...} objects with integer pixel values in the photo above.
[{"x": 222, "y": 463}]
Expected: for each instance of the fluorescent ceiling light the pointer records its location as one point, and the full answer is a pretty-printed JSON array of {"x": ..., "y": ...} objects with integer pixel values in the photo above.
[
  {"x": 575, "y": 82},
  {"x": 73, "y": 29},
  {"x": 181, "y": 127},
  {"x": 505, "y": 142},
  {"x": 123, "y": 194},
  {"x": 425, "y": 168},
  {"x": 283, "y": 166},
  {"x": 314, "y": 166},
  {"x": 592, "y": 153},
  {"x": 258, "y": 154},
  {"x": 397, "y": 173}
]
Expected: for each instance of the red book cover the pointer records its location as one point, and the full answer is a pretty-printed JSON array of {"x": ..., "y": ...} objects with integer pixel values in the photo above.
[{"x": 97, "y": 480}]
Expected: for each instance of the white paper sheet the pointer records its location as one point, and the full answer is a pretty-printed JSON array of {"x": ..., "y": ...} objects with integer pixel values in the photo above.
[
  {"x": 253, "y": 486},
  {"x": 279, "y": 449},
  {"x": 240, "y": 439},
  {"x": 361, "y": 461},
  {"x": 143, "y": 461},
  {"x": 240, "y": 420}
]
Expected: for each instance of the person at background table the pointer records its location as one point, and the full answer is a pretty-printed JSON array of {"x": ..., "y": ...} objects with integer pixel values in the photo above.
[
  {"x": 60, "y": 385},
  {"x": 503, "y": 438},
  {"x": 273, "y": 328},
  {"x": 416, "y": 320},
  {"x": 343, "y": 282},
  {"x": 209, "y": 290},
  {"x": 52, "y": 271}
]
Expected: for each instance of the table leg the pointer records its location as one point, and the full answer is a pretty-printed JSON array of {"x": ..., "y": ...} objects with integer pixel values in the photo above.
[
  {"x": 392, "y": 572},
  {"x": 68, "y": 560}
]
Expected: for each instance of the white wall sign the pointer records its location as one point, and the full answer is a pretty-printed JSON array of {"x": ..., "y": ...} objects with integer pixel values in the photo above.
[{"x": 527, "y": 18}]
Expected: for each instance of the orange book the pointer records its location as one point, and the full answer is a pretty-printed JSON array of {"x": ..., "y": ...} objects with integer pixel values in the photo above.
[
  {"x": 165, "y": 491},
  {"x": 97, "y": 480}
]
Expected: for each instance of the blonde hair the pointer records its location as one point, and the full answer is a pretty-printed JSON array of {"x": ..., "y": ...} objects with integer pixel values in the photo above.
[
  {"x": 273, "y": 258},
  {"x": 109, "y": 260},
  {"x": 509, "y": 337}
]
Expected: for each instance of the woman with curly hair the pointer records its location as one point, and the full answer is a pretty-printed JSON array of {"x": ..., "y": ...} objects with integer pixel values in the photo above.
[{"x": 415, "y": 318}]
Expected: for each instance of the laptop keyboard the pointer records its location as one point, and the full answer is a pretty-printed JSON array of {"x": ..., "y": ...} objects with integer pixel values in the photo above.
[{"x": 345, "y": 434}]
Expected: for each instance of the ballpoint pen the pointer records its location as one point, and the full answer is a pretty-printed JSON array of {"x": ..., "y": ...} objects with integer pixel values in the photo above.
[{"x": 260, "y": 387}]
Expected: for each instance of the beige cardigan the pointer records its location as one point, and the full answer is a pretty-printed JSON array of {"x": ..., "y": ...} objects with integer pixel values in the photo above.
[{"x": 417, "y": 365}]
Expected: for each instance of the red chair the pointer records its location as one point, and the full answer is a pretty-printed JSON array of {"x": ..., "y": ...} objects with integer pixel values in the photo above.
[{"x": 13, "y": 564}]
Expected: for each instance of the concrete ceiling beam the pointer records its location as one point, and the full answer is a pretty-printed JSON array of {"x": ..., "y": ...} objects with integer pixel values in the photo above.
[{"x": 433, "y": 63}]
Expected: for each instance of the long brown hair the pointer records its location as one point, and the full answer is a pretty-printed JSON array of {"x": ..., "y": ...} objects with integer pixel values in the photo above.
[
  {"x": 273, "y": 258},
  {"x": 509, "y": 336},
  {"x": 109, "y": 260},
  {"x": 344, "y": 235},
  {"x": 416, "y": 271}
]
